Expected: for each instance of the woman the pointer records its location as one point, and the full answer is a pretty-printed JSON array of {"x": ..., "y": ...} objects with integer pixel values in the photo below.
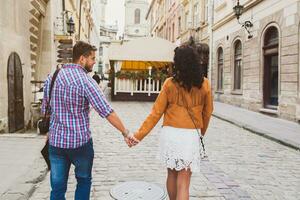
[{"x": 186, "y": 103}]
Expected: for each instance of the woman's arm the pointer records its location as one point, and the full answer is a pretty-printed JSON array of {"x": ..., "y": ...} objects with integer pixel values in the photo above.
[{"x": 157, "y": 111}]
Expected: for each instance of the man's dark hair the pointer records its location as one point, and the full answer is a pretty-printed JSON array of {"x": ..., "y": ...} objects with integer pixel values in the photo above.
[{"x": 82, "y": 49}]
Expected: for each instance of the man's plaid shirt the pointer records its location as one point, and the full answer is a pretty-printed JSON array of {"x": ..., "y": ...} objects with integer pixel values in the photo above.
[{"x": 72, "y": 93}]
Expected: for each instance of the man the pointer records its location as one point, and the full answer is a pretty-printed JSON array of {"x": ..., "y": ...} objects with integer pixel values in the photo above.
[
  {"x": 69, "y": 134},
  {"x": 97, "y": 78}
]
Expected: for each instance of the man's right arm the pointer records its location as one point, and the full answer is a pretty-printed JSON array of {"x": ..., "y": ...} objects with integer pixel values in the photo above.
[
  {"x": 114, "y": 120},
  {"x": 98, "y": 101}
]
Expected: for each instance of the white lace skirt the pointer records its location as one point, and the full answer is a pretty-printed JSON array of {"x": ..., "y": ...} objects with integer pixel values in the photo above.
[{"x": 180, "y": 148}]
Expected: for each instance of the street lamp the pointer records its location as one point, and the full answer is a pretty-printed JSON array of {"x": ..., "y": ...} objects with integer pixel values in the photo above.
[
  {"x": 238, "y": 11},
  {"x": 70, "y": 26}
]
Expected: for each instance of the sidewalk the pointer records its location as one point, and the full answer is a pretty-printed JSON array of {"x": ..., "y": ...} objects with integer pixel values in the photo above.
[
  {"x": 21, "y": 165},
  {"x": 279, "y": 130}
]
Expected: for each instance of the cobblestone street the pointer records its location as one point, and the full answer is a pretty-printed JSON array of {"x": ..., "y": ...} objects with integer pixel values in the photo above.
[{"x": 241, "y": 165}]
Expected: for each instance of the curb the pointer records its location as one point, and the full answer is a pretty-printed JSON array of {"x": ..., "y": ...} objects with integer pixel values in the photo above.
[
  {"x": 257, "y": 131},
  {"x": 25, "y": 186}
]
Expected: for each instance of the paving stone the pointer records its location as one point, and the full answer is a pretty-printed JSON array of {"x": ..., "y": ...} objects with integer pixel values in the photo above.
[{"x": 241, "y": 165}]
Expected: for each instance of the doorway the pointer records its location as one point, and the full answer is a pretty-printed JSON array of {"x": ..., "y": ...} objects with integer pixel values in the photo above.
[{"x": 15, "y": 93}]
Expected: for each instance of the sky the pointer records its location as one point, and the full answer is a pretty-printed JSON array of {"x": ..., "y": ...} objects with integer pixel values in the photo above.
[{"x": 115, "y": 11}]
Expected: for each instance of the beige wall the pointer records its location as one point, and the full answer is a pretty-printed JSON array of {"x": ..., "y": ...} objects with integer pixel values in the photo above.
[
  {"x": 46, "y": 60},
  {"x": 172, "y": 15},
  {"x": 14, "y": 34},
  {"x": 163, "y": 14},
  {"x": 29, "y": 29}
]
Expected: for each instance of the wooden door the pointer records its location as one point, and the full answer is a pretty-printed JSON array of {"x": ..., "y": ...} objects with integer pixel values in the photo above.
[{"x": 15, "y": 93}]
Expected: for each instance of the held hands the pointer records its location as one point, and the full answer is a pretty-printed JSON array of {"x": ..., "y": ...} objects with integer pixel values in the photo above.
[{"x": 130, "y": 139}]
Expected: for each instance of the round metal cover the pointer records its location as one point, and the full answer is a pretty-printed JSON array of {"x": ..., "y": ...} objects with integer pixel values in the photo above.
[{"x": 136, "y": 190}]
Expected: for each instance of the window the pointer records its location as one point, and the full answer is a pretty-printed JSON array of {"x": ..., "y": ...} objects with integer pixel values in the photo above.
[
  {"x": 179, "y": 25},
  {"x": 237, "y": 66},
  {"x": 271, "y": 37},
  {"x": 137, "y": 16},
  {"x": 206, "y": 11},
  {"x": 173, "y": 27},
  {"x": 220, "y": 69},
  {"x": 101, "y": 51},
  {"x": 186, "y": 20},
  {"x": 196, "y": 15},
  {"x": 271, "y": 76}
]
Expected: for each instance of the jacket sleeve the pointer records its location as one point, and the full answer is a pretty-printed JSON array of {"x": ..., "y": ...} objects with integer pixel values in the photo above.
[
  {"x": 157, "y": 111},
  {"x": 207, "y": 108}
]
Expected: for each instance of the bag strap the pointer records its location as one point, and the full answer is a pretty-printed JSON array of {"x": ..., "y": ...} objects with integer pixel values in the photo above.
[
  {"x": 190, "y": 112},
  {"x": 50, "y": 91}
]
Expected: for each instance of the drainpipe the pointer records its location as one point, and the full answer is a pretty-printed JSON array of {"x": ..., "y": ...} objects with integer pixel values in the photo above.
[
  {"x": 79, "y": 26},
  {"x": 166, "y": 18},
  {"x": 63, "y": 15},
  {"x": 211, "y": 22}
]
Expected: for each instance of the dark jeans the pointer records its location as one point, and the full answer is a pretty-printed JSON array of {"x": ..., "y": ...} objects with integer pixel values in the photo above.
[{"x": 61, "y": 160}]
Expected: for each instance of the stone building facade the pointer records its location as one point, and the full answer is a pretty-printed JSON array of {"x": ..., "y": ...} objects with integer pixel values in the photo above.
[
  {"x": 178, "y": 20},
  {"x": 108, "y": 33},
  {"x": 136, "y": 24},
  {"x": 261, "y": 72},
  {"x": 15, "y": 70},
  {"x": 30, "y": 32}
]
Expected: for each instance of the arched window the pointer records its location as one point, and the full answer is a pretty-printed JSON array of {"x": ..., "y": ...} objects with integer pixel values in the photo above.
[
  {"x": 220, "y": 69},
  {"x": 237, "y": 83},
  {"x": 271, "y": 37},
  {"x": 137, "y": 16},
  {"x": 270, "y": 82}
]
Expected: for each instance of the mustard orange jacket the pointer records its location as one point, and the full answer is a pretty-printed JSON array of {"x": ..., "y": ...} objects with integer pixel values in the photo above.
[{"x": 171, "y": 104}]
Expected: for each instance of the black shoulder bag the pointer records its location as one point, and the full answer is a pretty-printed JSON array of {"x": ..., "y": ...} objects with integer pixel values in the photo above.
[{"x": 45, "y": 122}]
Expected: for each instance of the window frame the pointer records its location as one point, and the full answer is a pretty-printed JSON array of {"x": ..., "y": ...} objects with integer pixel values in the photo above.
[
  {"x": 237, "y": 60},
  {"x": 220, "y": 64},
  {"x": 137, "y": 16}
]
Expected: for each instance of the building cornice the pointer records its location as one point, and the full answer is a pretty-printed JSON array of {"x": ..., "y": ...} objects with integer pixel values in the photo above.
[{"x": 248, "y": 5}]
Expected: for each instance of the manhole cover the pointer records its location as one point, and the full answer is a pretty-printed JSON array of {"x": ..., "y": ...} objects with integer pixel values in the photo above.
[{"x": 137, "y": 190}]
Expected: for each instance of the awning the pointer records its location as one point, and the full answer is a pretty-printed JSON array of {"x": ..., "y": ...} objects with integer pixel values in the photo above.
[
  {"x": 142, "y": 53},
  {"x": 142, "y": 65}
]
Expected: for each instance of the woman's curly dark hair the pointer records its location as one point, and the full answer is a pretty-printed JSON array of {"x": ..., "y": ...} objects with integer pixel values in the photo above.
[{"x": 189, "y": 70}]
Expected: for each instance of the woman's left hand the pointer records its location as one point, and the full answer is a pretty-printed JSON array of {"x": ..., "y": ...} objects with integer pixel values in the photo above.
[{"x": 131, "y": 140}]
